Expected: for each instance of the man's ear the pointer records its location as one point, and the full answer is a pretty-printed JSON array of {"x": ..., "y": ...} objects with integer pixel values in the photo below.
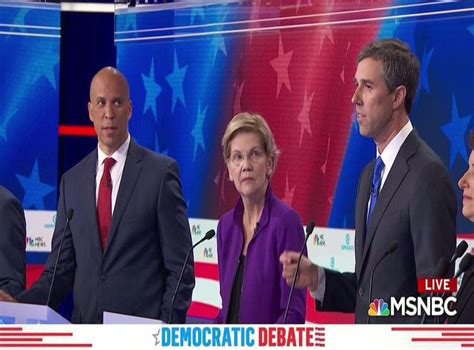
[
  {"x": 89, "y": 109},
  {"x": 399, "y": 96}
]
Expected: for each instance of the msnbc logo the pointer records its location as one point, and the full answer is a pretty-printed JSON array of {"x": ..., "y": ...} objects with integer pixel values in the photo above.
[{"x": 378, "y": 308}]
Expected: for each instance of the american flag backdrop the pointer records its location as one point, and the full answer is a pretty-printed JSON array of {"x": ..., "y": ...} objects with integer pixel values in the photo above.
[{"x": 192, "y": 69}]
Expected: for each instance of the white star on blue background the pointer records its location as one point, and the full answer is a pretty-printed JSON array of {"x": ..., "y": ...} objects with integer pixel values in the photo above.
[
  {"x": 152, "y": 89},
  {"x": 425, "y": 62},
  {"x": 3, "y": 126},
  {"x": 131, "y": 22},
  {"x": 218, "y": 42},
  {"x": 20, "y": 19},
  {"x": 196, "y": 11},
  {"x": 455, "y": 132},
  {"x": 197, "y": 130},
  {"x": 157, "y": 146},
  {"x": 175, "y": 80},
  {"x": 46, "y": 63},
  {"x": 34, "y": 189}
]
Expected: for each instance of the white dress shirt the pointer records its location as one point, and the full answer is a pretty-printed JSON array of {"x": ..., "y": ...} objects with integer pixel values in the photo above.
[{"x": 120, "y": 155}]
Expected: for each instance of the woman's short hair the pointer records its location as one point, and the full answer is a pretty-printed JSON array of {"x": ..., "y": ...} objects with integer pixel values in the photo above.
[{"x": 250, "y": 122}]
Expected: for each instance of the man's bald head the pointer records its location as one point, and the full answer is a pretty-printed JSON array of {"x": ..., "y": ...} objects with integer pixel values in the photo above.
[
  {"x": 109, "y": 74},
  {"x": 110, "y": 108}
]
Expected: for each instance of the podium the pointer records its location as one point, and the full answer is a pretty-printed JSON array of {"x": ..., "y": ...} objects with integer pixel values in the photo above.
[
  {"x": 17, "y": 313},
  {"x": 115, "y": 318}
]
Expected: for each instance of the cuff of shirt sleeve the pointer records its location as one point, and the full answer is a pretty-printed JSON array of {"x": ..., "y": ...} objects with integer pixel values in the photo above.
[{"x": 318, "y": 294}]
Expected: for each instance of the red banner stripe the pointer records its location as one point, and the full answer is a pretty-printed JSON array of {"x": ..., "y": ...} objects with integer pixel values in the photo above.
[
  {"x": 71, "y": 130},
  {"x": 202, "y": 310},
  {"x": 21, "y": 339},
  {"x": 45, "y": 345},
  {"x": 36, "y": 334},
  {"x": 206, "y": 270}
]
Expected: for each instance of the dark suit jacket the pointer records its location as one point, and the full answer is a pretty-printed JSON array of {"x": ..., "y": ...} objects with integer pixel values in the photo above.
[
  {"x": 465, "y": 300},
  {"x": 12, "y": 244},
  {"x": 146, "y": 245},
  {"x": 417, "y": 208}
]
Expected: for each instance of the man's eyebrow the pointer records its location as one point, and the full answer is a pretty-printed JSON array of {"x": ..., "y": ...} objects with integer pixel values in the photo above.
[{"x": 362, "y": 81}]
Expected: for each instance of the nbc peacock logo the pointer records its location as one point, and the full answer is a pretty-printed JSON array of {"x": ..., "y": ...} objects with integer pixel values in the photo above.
[{"x": 379, "y": 308}]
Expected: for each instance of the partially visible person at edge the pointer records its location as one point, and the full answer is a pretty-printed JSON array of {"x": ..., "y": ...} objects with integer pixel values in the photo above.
[
  {"x": 465, "y": 296},
  {"x": 12, "y": 244},
  {"x": 251, "y": 237}
]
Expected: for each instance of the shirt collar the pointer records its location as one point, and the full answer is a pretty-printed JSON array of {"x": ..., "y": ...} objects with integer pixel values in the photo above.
[
  {"x": 119, "y": 155},
  {"x": 390, "y": 152}
]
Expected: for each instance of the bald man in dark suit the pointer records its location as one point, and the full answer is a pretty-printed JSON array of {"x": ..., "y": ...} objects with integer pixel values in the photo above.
[{"x": 129, "y": 233}]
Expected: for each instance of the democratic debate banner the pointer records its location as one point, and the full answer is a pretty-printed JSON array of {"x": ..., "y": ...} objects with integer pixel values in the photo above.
[
  {"x": 161, "y": 337},
  {"x": 192, "y": 68}
]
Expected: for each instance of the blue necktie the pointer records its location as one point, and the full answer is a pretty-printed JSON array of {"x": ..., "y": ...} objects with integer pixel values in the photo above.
[{"x": 375, "y": 186}]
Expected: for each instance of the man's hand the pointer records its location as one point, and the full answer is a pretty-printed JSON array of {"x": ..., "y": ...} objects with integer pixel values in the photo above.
[
  {"x": 6, "y": 297},
  {"x": 308, "y": 272}
]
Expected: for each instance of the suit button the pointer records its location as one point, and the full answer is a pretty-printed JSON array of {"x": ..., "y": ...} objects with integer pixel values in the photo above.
[
  {"x": 361, "y": 291},
  {"x": 103, "y": 277}
]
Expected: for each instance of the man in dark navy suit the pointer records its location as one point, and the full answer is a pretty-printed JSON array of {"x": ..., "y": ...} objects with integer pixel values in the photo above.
[
  {"x": 404, "y": 196},
  {"x": 129, "y": 233}
]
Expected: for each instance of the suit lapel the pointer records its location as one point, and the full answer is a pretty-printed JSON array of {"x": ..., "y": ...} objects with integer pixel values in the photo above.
[
  {"x": 398, "y": 172},
  {"x": 87, "y": 195},
  {"x": 361, "y": 205},
  {"x": 131, "y": 170}
]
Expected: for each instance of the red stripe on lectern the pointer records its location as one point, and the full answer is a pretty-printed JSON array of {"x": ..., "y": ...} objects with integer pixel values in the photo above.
[
  {"x": 37, "y": 334},
  {"x": 21, "y": 339},
  {"x": 457, "y": 334},
  {"x": 45, "y": 345},
  {"x": 446, "y": 329},
  {"x": 467, "y": 345},
  {"x": 202, "y": 310},
  {"x": 440, "y": 339},
  {"x": 206, "y": 270},
  {"x": 70, "y": 130}
]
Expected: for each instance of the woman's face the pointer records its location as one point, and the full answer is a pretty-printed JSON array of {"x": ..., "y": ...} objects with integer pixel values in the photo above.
[
  {"x": 249, "y": 165},
  {"x": 466, "y": 184}
]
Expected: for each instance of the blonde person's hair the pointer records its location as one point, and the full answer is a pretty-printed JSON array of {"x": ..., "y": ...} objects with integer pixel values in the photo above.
[{"x": 250, "y": 122}]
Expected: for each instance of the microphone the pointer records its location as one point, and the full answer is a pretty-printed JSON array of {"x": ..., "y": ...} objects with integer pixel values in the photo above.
[
  {"x": 209, "y": 234},
  {"x": 441, "y": 271},
  {"x": 392, "y": 248},
  {"x": 309, "y": 231},
  {"x": 458, "y": 252},
  {"x": 442, "y": 267},
  {"x": 464, "y": 265},
  {"x": 69, "y": 214},
  {"x": 465, "y": 285}
]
